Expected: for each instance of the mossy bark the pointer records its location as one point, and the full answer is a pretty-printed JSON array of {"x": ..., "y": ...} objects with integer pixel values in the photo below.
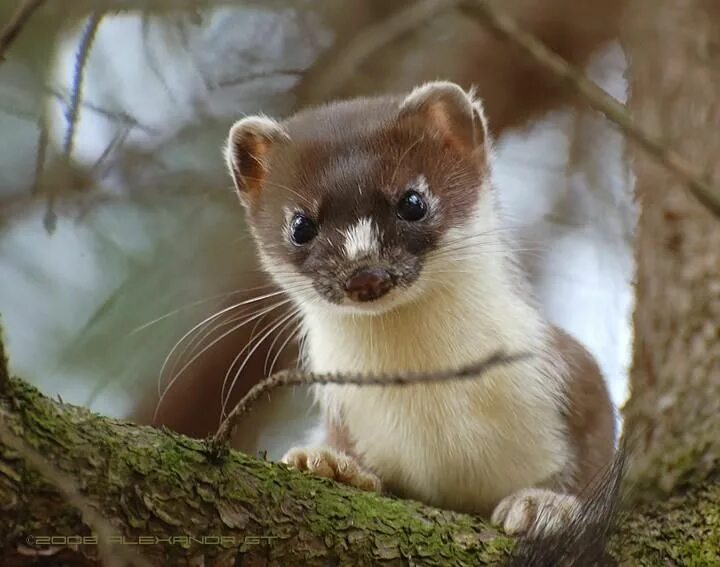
[
  {"x": 675, "y": 382},
  {"x": 682, "y": 529},
  {"x": 149, "y": 483},
  {"x": 674, "y": 410},
  {"x": 154, "y": 483}
]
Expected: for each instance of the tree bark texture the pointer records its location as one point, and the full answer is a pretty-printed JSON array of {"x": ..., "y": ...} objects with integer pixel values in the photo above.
[
  {"x": 675, "y": 405},
  {"x": 154, "y": 483},
  {"x": 149, "y": 485}
]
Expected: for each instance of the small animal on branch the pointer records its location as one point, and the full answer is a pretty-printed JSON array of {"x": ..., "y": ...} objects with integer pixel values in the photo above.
[{"x": 379, "y": 217}]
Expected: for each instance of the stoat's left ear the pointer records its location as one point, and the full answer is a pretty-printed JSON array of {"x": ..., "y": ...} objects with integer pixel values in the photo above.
[
  {"x": 450, "y": 111},
  {"x": 247, "y": 151}
]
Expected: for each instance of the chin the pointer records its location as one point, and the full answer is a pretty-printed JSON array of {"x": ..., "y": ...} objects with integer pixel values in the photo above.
[
  {"x": 394, "y": 300},
  {"x": 380, "y": 306}
]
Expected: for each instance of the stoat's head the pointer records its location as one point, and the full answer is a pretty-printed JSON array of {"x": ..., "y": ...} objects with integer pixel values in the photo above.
[{"x": 350, "y": 203}]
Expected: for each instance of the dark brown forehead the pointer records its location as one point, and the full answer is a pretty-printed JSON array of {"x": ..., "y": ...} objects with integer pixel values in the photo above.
[
  {"x": 350, "y": 159},
  {"x": 342, "y": 141},
  {"x": 351, "y": 146},
  {"x": 342, "y": 122}
]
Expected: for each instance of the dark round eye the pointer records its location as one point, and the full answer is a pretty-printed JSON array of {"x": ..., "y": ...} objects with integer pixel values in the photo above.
[
  {"x": 302, "y": 229},
  {"x": 411, "y": 206}
]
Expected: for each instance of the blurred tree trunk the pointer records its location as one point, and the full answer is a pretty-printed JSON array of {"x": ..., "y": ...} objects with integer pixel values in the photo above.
[
  {"x": 674, "y": 410},
  {"x": 676, "y": 368}
]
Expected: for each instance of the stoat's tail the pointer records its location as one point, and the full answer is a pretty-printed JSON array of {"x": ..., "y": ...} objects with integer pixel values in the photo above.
[{"x": 582, "y": 542}]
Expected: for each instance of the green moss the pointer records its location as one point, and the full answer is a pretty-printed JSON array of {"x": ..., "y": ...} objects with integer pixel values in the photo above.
[
  {"x": 683, "y": 529},
  {"x": 159, "y": 483}
]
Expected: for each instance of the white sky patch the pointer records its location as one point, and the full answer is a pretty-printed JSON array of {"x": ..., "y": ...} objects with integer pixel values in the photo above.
[{"x": 361, "y": 238}]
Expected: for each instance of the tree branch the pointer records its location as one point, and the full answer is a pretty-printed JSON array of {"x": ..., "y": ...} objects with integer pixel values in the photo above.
[
  {"x": 18, "y": 20},
  {"x": 370, "y": 41},
  {"x": 152, "y": 483},
  {"x": 598, "y": 99},
  {"x": 296, "y": 377},
  {"x": 374, "y": 38},
  {"x": 112, "y": 554},
  {"x": 171, "y": 501}
]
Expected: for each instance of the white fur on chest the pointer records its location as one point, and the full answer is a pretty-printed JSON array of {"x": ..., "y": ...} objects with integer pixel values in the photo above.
[{"x": 463, "y": 444}]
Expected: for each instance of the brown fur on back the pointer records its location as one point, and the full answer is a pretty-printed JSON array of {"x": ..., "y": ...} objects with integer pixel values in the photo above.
[{"x": 590, "y": 417}]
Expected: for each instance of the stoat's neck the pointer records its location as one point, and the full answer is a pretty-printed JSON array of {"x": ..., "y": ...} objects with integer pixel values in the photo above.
[{"x": 464, "y": 315}]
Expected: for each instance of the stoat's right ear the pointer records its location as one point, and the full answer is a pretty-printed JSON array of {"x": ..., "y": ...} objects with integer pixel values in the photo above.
[
  {"x": 246, "y": 153},
  {"x": 453, "y": 114}
]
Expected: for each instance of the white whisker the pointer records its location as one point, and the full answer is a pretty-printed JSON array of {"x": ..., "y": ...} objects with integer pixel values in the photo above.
[
  {"x": 193, "y": 304},
  {"x": 247, "y": 358},
  {"x": 175, "y": 378},
  {"x": 246, "y": 346},
  {"x": 290, "y": 337},
  {"x": 211, "y": 318},
  {"x": 274, "y": 342}
]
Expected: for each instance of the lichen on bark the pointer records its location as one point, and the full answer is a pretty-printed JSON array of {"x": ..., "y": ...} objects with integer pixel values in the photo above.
[
  {"x": 153, "y": 483},
  {"x": 157, "y": 484}
]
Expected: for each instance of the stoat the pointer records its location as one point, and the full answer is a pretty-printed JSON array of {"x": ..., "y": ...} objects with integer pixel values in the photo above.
[{"x": 379, "y": 217}]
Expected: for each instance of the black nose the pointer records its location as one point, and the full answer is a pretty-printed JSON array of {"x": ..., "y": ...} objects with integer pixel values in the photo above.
[{"x": 369, "y": 283}]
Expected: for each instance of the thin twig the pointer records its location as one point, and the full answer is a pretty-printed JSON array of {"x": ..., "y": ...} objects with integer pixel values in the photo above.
[
  {"x": 81, "y": 57},
  {"x": 114, "y": 115},
  {"x": 18, "y": 20},
  {"x": 507, "y": 29},
  {"x": 293, "y": 377},
  {"x": 372, "y": 40},
  {"x": 248, "y": 77},
  {"x": 110, "y": 554},
  {"x": 4, "y": 376},
  {"x": 72, "y": 112},
  {"x": 41, "y": 154}
]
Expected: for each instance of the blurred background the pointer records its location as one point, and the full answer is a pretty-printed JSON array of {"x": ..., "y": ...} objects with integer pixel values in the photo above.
[{"x": 120, "y": 233}]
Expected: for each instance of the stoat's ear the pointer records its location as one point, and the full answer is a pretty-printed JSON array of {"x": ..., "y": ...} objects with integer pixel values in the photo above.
[
  {"x": 246, "y": 152},
  {"x": 451, "y": 112}
]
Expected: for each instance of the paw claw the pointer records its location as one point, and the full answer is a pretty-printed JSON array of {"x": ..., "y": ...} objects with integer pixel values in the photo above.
[
  {"x": 330, "y": 464},
  {"x": 534, "y": 510}
]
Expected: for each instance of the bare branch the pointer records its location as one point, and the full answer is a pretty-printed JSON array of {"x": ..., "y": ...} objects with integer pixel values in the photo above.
[
  {"x": 18, "y": 20},
  {"x": 297, "y": 377},
  {"x": 247, "y": 77},
  {"x": 372, "y": 40},
  {"x": 118, "y": 116},
  {"x": 73, "y": 110},
  {"x": 41, "y": 154},
  {"x": 507, "y": 29}
]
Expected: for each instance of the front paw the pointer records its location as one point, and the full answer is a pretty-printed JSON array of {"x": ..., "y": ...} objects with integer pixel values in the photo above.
[
  {"x": 326, "y": 462},
  {"x": 535, "y": 511}
]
